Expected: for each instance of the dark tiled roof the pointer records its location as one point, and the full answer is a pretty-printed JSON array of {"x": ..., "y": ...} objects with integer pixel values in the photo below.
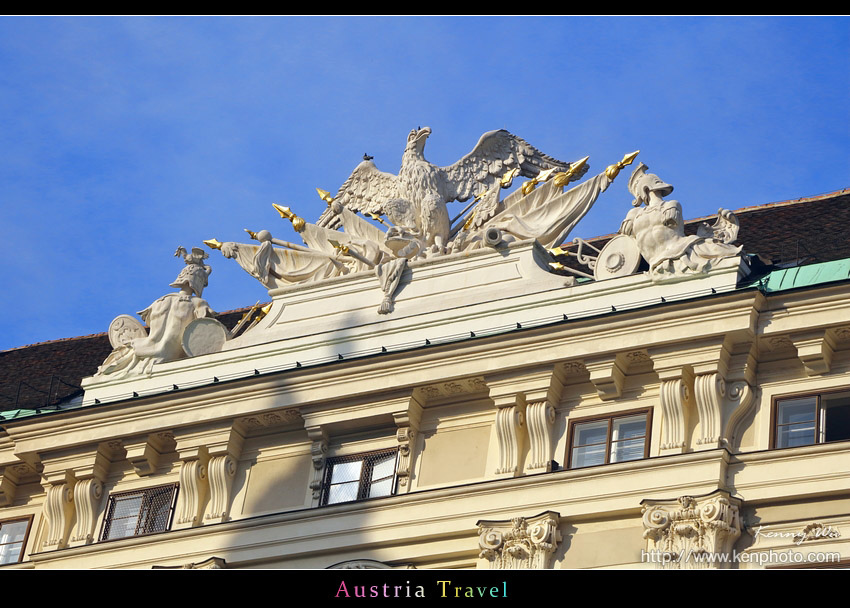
[{"x": 41, "y": 375}]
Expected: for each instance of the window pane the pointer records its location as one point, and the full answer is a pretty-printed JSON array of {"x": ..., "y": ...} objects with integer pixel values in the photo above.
[
  {"x": 13, "y": 531},
  {"x": 793, "y": 411},
  {"x": 123, "y": 527},
  {"x": 836, "y": 418},
  {"x": 793, "y": 435},
  {"x": 381, "y": 488},
  {"x": 10, "y": 554},
  {"x": 630, "y": 449},
  {"x": 590, "y": 433},
  {"x": 139, "y": 513},
  {"x": 343, "y": 492},
  {"x": 384, "y": 467},
  {"x": 629, "y": 428},
  {"x": 588, "y": 456},
  {"x": 346, "y": 471}
]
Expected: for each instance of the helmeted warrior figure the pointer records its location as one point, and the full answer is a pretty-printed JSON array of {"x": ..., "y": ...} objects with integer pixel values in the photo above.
[{"x": 658, "y": 228}]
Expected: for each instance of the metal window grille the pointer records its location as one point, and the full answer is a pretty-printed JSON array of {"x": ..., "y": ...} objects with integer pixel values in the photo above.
[
  {"x": 360, "y": 476},
  {"x": 138, "y": 513}
]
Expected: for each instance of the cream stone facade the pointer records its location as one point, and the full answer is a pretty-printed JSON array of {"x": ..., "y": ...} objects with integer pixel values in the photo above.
[{"x": 478, "y": 389}]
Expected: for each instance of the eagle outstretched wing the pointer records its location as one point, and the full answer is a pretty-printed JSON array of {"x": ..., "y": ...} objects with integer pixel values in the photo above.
[
  {"x": 496, "y": 153},
  {"x": 367, "y": 190}
]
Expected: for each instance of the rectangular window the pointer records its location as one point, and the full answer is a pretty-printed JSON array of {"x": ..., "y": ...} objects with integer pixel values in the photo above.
[
  {"x": 138, "y": 513},
  {"x": 617, "y": 438},
  {"x": 13, "y": 539},
  {"x": 812, "y": 419},
  {"x": 359, "y": 477}
]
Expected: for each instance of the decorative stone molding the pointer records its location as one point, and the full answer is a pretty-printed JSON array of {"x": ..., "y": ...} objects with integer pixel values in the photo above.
[
  {"x": 816, "y": 531},
  {"x": 12, "y": 476},
  {"x": 520, "y": 543},
  {"x": 249, "y": 423},
  {"x": 318, "y": 452},
  {"x": 540, "y": 418},
  {"x": 193, "y": 491},
  {"x": 360, "y": 564},
  {"x": 510, "y": 421},
  {"x": 454, "y": 388},
  {"x": 213, "y": 563},
  {"x": 683, "y": 533},
  {"x": 721, "y": 405},
  {"x": 815, "y": 350}
]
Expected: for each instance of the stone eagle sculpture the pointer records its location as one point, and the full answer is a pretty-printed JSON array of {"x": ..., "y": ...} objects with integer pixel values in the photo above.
[{"x": 416, "y": 199}]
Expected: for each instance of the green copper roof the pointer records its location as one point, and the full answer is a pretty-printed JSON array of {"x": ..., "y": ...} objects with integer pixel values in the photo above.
[{"x": 805, "y": 276}]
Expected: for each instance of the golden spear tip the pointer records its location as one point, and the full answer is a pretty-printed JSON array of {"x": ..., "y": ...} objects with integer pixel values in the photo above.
[
  {"x": 325, "y": 196},
  {"x": 628, "y": 158},
  {"x": 286, "y": 213},
  {"x": 212, "y": 244},
  {"x": 576, "y": 166}
]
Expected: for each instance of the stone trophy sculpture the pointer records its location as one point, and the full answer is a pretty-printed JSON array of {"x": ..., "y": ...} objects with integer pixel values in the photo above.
[
  {"x": 135, "y": 350},
  {"x": 417, "y": 224},
  {"x": 415, "y": 201},
  {"x": 658, "y": 229}
]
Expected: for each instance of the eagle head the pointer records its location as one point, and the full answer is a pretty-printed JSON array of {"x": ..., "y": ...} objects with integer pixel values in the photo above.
[{"x": 416, "y": 139}]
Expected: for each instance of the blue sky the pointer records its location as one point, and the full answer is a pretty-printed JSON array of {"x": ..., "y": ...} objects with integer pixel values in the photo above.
[{"x": 124, "y": 137}]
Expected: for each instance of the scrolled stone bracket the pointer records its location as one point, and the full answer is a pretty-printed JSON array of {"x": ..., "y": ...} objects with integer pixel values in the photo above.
[
  {"x": 510, "y": 423},
  {"x": 318, "y": 453},
  {"x": 721, "y": 405},
  {"x": 540, "y": 419}
]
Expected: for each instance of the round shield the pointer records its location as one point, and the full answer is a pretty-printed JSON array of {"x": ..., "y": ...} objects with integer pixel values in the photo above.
[
  {"x": 204, "y": 336},
  {"x": 619, "y": 258},
  {"x": 124, "y": 329}
]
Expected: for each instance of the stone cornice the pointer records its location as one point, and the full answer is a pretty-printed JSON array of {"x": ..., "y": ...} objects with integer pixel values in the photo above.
[{"x": 362, "y": 378}]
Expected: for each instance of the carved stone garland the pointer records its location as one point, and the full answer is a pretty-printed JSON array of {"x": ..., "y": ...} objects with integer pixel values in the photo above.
[
  {"x": 684, "y": 533},
  {"x": 520, "y": 543}
]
